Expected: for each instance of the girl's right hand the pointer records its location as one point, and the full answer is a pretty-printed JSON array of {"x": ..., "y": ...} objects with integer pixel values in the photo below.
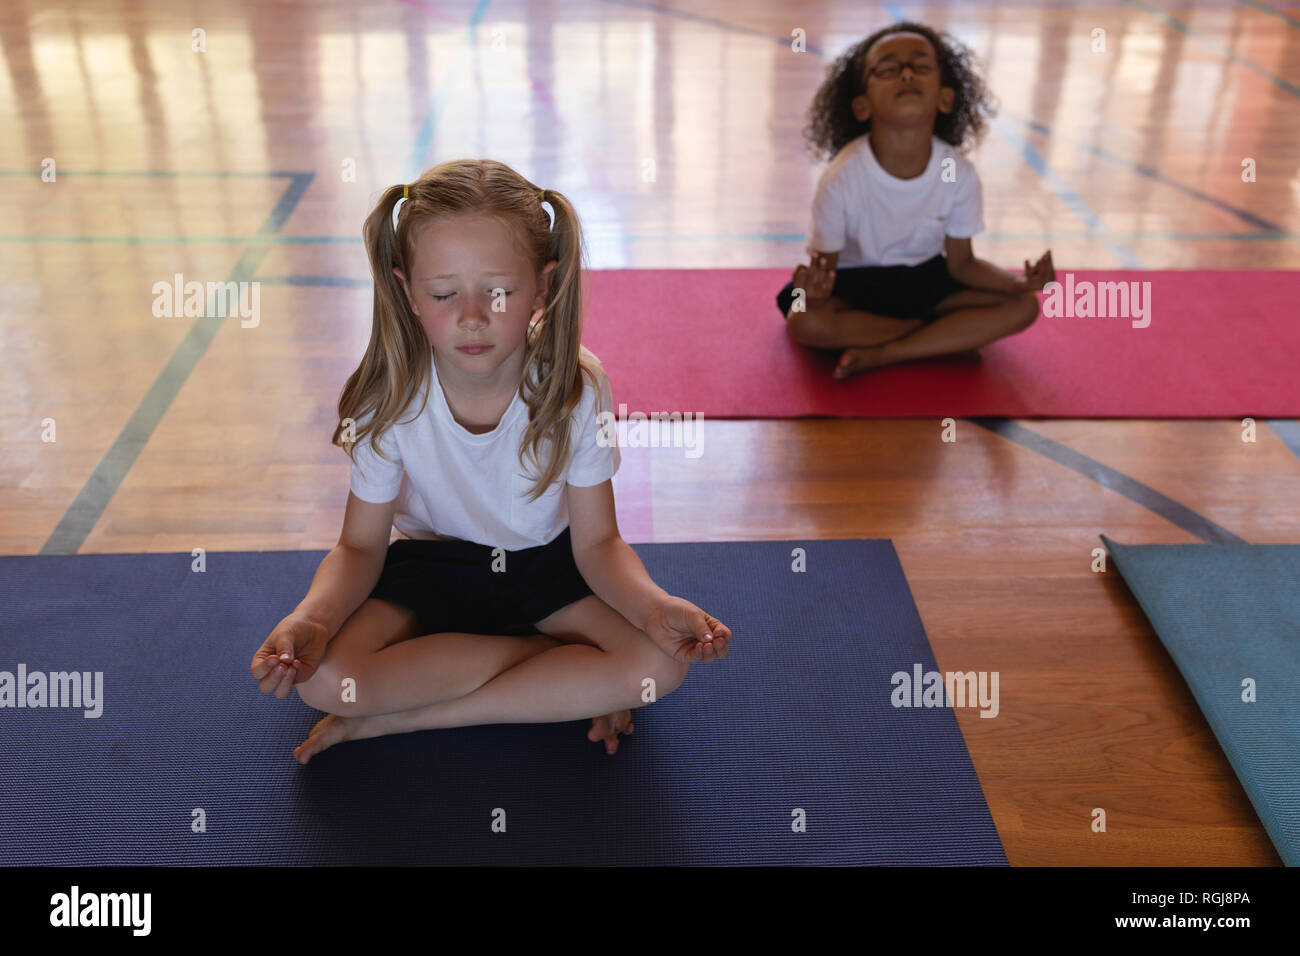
[
  {"x": 816, "y": 279},
  {"x": 290, "y": 655}
]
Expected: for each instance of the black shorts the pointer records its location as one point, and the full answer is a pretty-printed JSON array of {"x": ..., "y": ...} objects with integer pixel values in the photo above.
[
  {"x": 450, "y": 585},
  {"x": 901, "y": 292}
]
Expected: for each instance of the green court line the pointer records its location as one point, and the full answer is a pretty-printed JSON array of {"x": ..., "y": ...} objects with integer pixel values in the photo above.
[
  {"x": 255, "y": 240},
  {"x": 160, "y": 173}
]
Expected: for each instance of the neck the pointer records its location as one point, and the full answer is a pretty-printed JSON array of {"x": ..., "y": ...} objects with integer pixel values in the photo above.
[
  {"x": 482, "y": 389},
  {"x": 903, "y": 151}
]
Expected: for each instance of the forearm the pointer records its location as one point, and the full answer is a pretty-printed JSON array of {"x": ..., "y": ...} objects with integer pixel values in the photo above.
[
  {"x": 343, "y": 581},
  {"x": 616, "y": 575},
  {"x": 979, "y": 274}
]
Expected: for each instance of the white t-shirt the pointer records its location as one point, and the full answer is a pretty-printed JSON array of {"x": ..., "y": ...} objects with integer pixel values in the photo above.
[
  {"x": 451, "y": 483},
  {"x": 874, "y": 219}
]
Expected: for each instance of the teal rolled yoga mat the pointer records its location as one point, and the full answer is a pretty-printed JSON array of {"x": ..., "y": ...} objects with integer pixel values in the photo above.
[{"x": 1229, "y": 613}]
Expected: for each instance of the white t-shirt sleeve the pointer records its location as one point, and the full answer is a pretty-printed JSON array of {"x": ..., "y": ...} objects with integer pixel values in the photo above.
[
  {"x": 828, "y": 231},
  {"x": 374, "y": 479},
  {"x": 594, "y": 457},
  {"x": 967, "y": 218}
]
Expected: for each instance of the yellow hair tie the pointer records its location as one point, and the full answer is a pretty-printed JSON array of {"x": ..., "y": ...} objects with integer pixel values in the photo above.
[
  {"x": 406, "y": 192},
  {"x": 543, "y": 195}
]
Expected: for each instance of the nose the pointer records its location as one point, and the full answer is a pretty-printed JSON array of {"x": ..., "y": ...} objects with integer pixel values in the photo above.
[{"x": 473, "y": 316}]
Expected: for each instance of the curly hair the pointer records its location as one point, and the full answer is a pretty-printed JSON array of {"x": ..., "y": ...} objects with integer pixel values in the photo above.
[{"x": 831, "y": 123}]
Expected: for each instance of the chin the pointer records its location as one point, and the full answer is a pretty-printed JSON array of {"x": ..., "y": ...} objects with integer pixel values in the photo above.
[{"x": 918, "y": 111}]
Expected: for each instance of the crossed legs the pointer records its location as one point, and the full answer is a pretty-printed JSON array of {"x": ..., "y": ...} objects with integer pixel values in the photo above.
[
  {"x": 588, "y": 660},
  {"x": 967, "y": 320}
]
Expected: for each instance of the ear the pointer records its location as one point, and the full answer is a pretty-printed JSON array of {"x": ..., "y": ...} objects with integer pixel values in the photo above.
[
  {"x": 406, "y": 288},
  {"x": 544, "y": 285},
  {"x": 861, "y": 107},
  {"x": 947, "y": 96}
]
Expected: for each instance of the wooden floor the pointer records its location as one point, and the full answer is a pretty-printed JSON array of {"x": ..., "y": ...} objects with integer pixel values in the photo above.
[{"x": 228, "y": 162}]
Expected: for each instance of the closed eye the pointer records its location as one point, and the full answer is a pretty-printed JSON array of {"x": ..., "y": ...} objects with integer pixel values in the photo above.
[{"x": 444, "y": 298}]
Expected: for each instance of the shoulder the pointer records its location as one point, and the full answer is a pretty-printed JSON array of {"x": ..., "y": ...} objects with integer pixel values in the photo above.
[
  {"x": 597, "y": 393},
  {"x": 397, "y": 424},
  {"x": 849, "y": 161},
  {"x": 946, "y": 151}
]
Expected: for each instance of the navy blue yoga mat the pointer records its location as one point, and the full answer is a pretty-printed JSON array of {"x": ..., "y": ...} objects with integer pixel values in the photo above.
[
  {"x": 1228, "y": 612},
  {"x": 796, "y": 724}
]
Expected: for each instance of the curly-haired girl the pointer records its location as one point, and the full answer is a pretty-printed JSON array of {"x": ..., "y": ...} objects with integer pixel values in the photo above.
[
  {"x": 511, "y": 597},
  {"x": 892, "y": 276}
]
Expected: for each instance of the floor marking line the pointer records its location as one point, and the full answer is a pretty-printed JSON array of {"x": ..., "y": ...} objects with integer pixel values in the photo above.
[
  {"x": 1110, "y": 478},
  {"x": 88, "y": 506},
  {"x": 1288, "y": 430}
]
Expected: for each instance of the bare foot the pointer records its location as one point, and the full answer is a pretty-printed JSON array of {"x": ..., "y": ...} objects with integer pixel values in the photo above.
[
  {"x": 608, "y": 728},
  {"x": 333, "y": 729},
  {"x": 328, "y": 731},
  {"x": 859, "y": 359},
  {"x": 864, "y": 358}
]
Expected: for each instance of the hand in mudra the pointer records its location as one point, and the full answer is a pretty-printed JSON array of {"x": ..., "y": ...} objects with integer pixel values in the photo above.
[
  {"x": 290, "y": 655},
  {"x": 686, "y": 634},
  {"x": 816, "y": 279},
  {"x": 1039, "y": 274}
]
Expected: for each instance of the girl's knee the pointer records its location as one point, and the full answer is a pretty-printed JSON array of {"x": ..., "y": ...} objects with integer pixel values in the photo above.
[
  {"x": 676, "y": 675},
  {"x": 810, "y": 326},
  {"x": 324, "y": 690},
  {"x": 1026, "y": 309},
  {"x": 654, "y": 676},
  {"x": 801, "y": 326}
]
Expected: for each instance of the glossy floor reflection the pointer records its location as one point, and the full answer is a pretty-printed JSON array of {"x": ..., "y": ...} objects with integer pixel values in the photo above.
[{"x": 247, "y": 140}]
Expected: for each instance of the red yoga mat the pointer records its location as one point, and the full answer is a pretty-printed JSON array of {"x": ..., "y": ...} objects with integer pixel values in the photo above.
[{"x": 712, "y": 342}]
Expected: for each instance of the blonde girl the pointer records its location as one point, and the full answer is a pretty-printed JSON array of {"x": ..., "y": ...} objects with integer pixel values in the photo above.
[{"x": 473, "y": 427}]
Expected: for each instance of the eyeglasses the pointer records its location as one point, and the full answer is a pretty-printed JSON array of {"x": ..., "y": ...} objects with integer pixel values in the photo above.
[{"x": 891, "y": 70}]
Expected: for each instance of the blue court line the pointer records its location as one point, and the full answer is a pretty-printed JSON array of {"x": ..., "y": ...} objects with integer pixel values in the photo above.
[
  {"x": 1245, "y": 215},
  {"x": 87, "y": 508},
  {"x": 1067, "y": 194},
  {"x": 1209, "y": 44},
  {"x": 1288, "y": 430},
  {"x": 1270, "y": 10},
  {"x": 450, "y": 78},
  {"x": 1108, "y": 477}
]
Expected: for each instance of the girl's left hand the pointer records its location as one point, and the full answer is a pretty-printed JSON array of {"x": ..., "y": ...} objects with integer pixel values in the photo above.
[
  {"x": 1039, "y": 274},
  {"x": 686, "y": 634}
]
